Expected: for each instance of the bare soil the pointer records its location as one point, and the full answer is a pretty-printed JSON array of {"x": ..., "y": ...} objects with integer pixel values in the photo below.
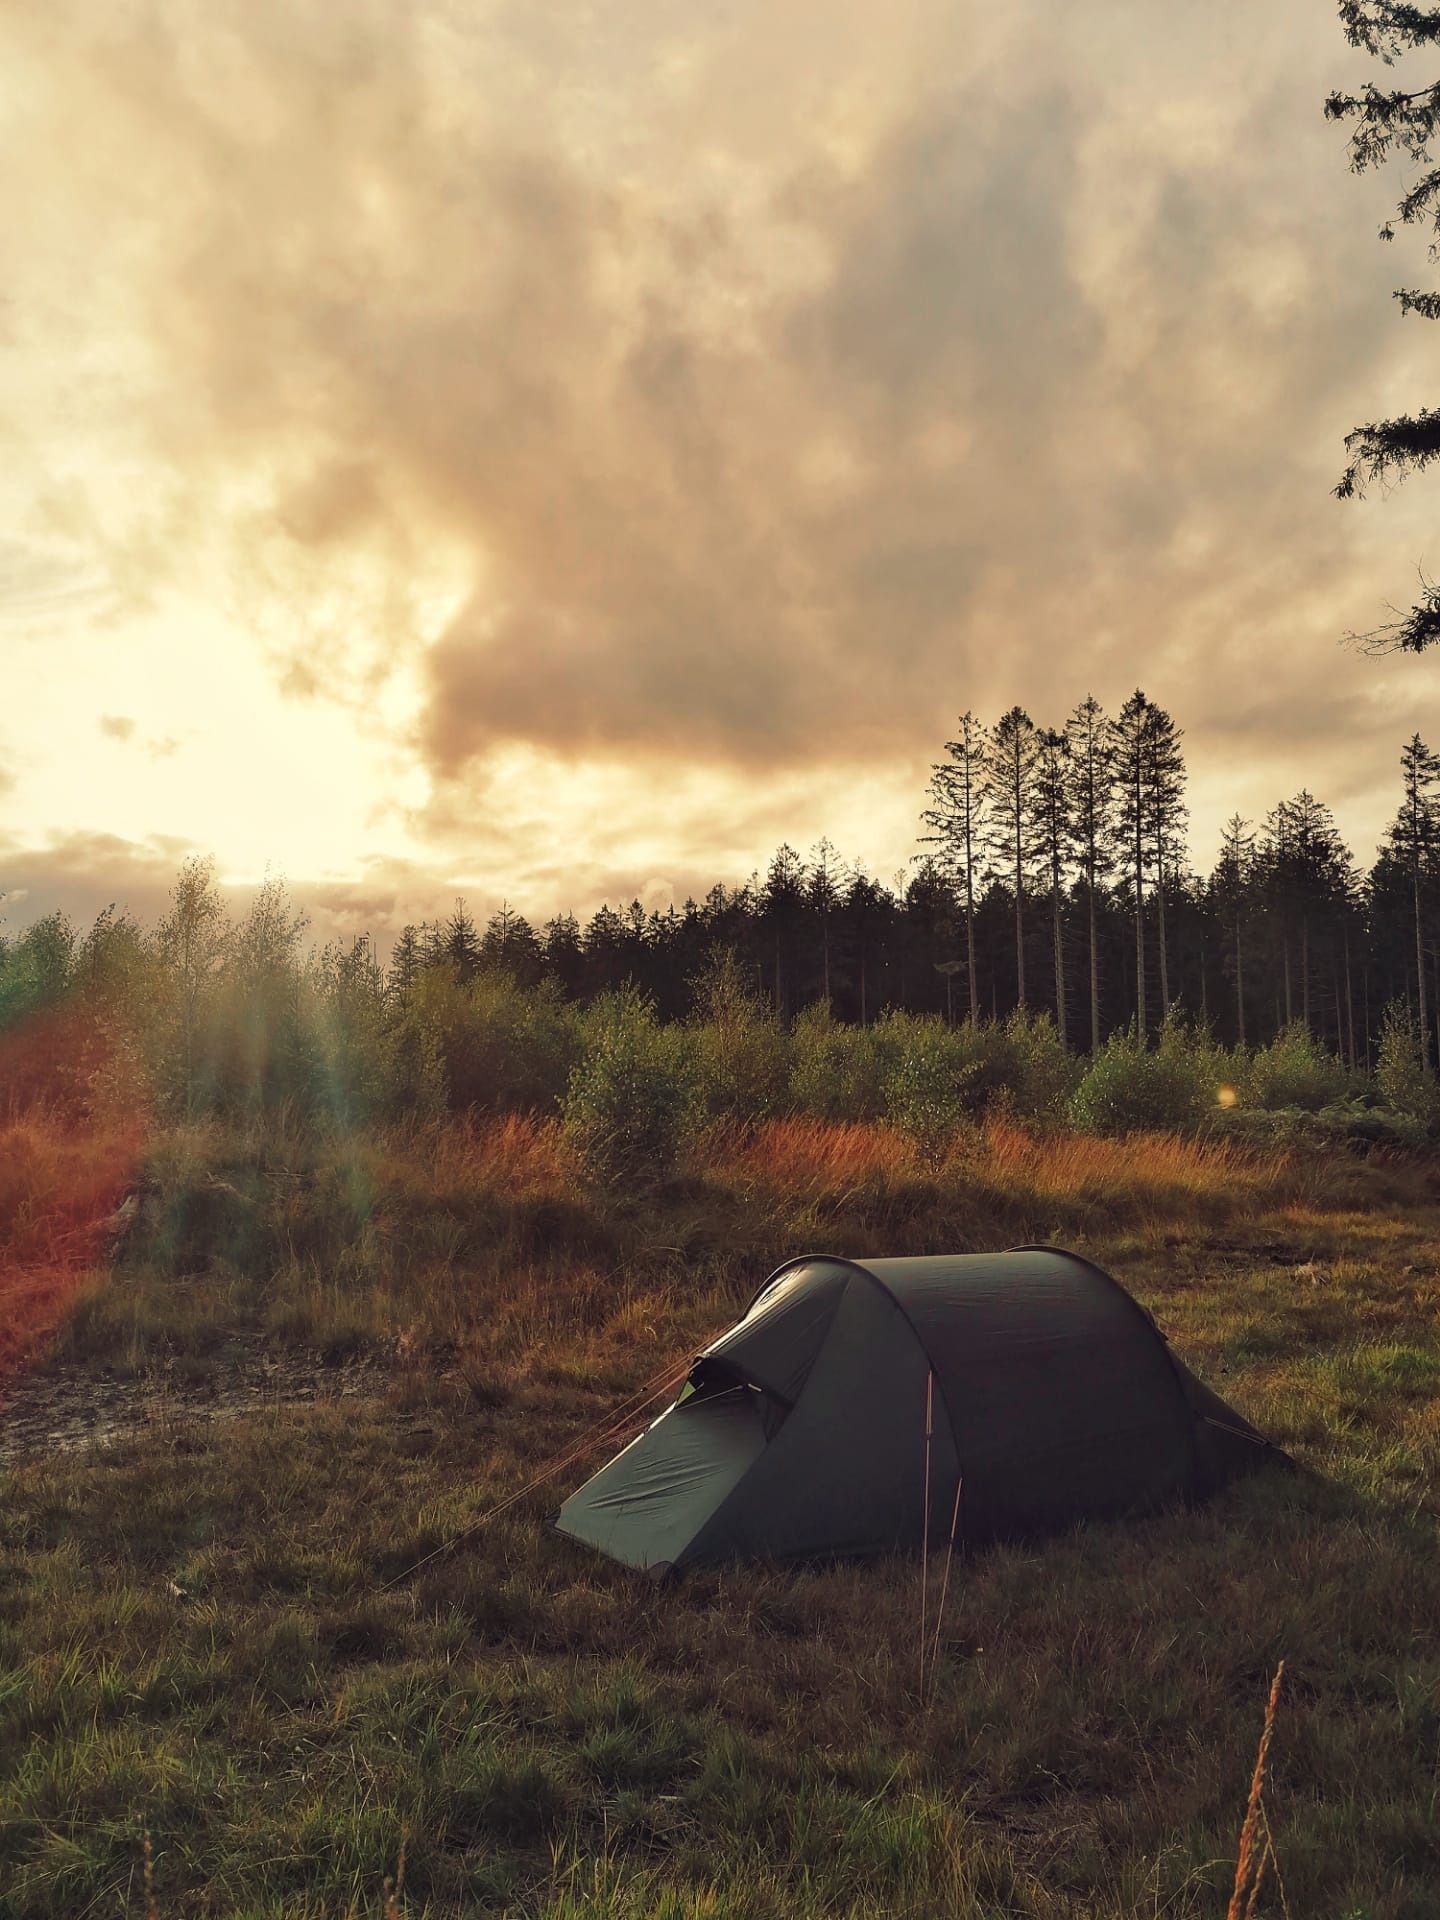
[{"x": 63, "y": 1408}]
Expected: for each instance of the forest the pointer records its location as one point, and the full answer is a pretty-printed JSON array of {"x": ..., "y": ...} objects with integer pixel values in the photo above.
[{"x": 1052, "y": 953}]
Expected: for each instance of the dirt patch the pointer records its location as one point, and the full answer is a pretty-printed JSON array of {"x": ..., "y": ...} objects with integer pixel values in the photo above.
[{"x": 63, "y": 1408}]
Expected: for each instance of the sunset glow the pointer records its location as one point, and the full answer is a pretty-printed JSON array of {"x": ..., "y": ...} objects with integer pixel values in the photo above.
[{"x": 461, "y": 451}]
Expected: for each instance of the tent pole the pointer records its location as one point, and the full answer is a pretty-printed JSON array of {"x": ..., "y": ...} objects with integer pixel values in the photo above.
[
  {"x": 945, "y": 1583},
  {"x": 925, "y": 1522}
]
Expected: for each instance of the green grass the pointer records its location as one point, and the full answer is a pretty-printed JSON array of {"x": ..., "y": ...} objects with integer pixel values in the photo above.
[{"x": 198, "y": 1638}]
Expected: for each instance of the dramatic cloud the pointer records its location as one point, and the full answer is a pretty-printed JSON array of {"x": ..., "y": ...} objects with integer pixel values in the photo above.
[{"x": 640, "y": 442}]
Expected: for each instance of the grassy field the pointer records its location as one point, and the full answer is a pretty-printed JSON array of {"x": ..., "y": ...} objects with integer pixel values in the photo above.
[{"x": 203, "y": 1636}]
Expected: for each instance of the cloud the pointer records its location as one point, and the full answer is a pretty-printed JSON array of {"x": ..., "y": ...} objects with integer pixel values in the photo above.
[
  {"x": 117, "y": 726},
  {"x": 624, "y": 401}
]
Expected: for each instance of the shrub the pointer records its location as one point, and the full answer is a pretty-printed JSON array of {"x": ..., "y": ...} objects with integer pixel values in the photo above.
[
  {"x": 836, "y": 1071},
  {"x": 353, "y": 1041},
  {"x": 503, "y": 1048},
  {"x": 927, "y": 1093},
  {"x": 1129, "y": 1087},
  {"x": 1038, "y": 1075},
  {"x": 737, "y": 1044},
  {"x": 1405, "y": 1081},
  {"x": 631, "y": 1095},
  {"x": 1293, "y": 1071}
]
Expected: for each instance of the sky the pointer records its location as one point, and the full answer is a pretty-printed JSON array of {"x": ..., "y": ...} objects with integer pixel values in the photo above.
[{"x": 555, "y": 454}]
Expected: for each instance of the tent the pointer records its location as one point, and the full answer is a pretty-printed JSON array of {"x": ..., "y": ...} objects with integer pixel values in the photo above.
[{"x": 1050, "y": 1394}]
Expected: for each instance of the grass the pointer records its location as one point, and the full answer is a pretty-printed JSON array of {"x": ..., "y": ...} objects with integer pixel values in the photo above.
[{"x": 199, "y": 1637}]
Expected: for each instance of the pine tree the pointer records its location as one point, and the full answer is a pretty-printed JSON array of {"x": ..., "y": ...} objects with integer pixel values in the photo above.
[
  {"x": 1011, "y": 759},
  {"x": 1052, "y": 816},
  {"x": 1168, "y": 819},
  {"x": 955, "y": 822},
  {"x": 1230, "y": 890},
  {"x": 1417, "y": 835},
  {"x": 782, "y": 908},
  {"x": 822, "y": 897},
  {"x": 1396, "y": 123},
  {"x": 510, "y": 942},
  {"x": 459, "y": 944},
  {"x": 562, "y": 954},
  {"x": 1130, "y": 750},
  {"x": 406, "y": 964},
  {"x": 1092, "y": 810}
]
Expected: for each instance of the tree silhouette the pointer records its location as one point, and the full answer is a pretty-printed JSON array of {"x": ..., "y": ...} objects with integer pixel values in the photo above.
[
  {"x": 1230, "y": 890},
  {"x": 1011, "y": 758},
  {"x": 955, "y": 823},
  {"x": 1130, "y": 740},
  {"x": 1396, "y": 123},
  {"x": 1416, "y": 835},
  {"x": 1052, "y": 815},
  {"x": 1092, "y": 810}
]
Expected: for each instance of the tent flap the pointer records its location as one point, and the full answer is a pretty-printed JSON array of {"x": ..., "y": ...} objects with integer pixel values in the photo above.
[{"x": 649, "y": 1502}]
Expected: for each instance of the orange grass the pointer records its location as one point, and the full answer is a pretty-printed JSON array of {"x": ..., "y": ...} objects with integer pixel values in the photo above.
[
  {"x": 514, "y": 1153},
  {"x": 804, "y": 1154},
  {"x": 801, "y": 1155},
  {"x": 68, "y": 1154}
]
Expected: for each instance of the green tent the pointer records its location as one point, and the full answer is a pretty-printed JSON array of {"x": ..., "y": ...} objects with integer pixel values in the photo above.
[{"x": 802, "y": 1431}]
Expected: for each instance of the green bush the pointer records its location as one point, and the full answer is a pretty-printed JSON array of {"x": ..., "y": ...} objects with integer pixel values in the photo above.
[
  {"x": 927, "y": 1086},
  {"x": 1405, "y": 1081},
  {"x": 631, "y": 1097},
  {"x": 1351, "y": 1125},
  {"x": 503, "y": 1048},
  {"x": 1129, "y": 1087},
  {"x": 738, "y": 1046},
  {"x": 1293, "y": 1071},
  {"x": 1036, "y": 1075},
  {"x": 837, "y": 1072}
]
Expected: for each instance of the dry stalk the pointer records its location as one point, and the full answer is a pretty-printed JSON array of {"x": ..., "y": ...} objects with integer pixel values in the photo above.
[{"x": 1250, "y": 1869}]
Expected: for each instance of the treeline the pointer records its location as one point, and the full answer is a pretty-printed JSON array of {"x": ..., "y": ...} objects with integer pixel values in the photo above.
[{"x": 1056, "y": 878}]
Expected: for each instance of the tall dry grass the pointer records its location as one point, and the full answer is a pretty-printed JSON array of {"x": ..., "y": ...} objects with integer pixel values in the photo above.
[
  {"x": 809, "y": 1158},
  {"x": 71, "y": 1136}
]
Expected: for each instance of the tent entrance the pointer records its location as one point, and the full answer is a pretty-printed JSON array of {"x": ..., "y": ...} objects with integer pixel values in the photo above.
[
  {"x": 711, "y": 1379},
  {"x": 652, "y": 1499}
]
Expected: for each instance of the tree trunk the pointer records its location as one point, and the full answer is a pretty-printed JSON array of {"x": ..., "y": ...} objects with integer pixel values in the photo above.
[
  {"x": 1289, "y": 1003},
  {"x": 1094, "y": 965},
  {"x": 970, "y": 951},
  {"x": 1059, "y": 968},
  {"x": 1350, "y": 1005},
  {"x": 1160, "y": 930},
  {"x": 1420, "y": 965},
  {"x": 1204, "y": 992},
  {"x": 1019, "y": 911},
  {"x": 1140, "y": 1018},
  {"x": 1239, "y": 985},
  {"x": 1305, "y": 971},
  {"x": 1339, "y": 1020}
]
